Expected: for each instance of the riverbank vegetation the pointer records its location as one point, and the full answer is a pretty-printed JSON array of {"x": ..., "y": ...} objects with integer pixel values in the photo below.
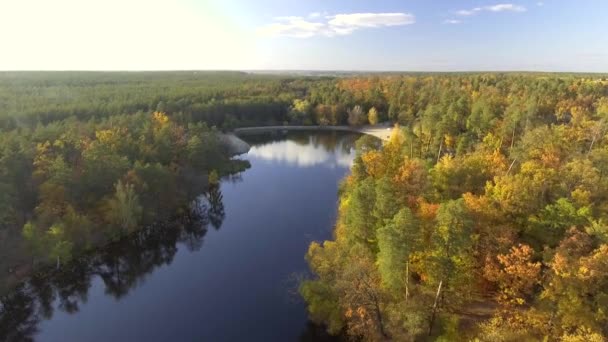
[
  {"x": 71, "y": 185},
  {"x": 484, "y": 217}
]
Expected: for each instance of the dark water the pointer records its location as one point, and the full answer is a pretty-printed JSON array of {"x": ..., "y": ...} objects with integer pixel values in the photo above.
[{"x": 226, "y": 272}]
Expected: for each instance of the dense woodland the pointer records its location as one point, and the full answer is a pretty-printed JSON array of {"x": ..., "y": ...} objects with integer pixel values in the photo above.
[
  {"x": 73, "y": 178},
  {"x": 72, "y": 185},
  {"x": 222, "y": 99},
  {"x": 484, "y": 217}
]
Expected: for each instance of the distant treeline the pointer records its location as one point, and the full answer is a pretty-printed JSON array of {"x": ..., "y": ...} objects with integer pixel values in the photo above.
[
  {"x": 230, "y": 99},
  {"x": 222, "y": 99}
]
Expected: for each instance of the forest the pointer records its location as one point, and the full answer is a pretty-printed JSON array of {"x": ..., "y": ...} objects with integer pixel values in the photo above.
[
  {"x": 73, "y": 178},
  {"x": 484, "y": 217}
]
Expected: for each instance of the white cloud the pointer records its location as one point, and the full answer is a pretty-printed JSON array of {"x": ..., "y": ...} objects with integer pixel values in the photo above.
[
  {"x": 492, "y": 8},
  {"x": 505, "y": 7},
  {"x": 452, "y": 21},
  {"x": 469, "y": 12},
  {"x": 357, "y": 20},
  {"x": 332, "y": 25},
  {"x": 540, "y": 3},
  {"x": 295, "y": 27}
]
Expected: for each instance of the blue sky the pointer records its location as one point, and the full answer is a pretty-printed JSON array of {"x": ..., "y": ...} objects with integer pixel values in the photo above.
[{"x": 409, "y": 35}]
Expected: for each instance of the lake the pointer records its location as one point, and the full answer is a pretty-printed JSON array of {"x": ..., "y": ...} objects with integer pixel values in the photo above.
[{"x": 226, "y": 272}]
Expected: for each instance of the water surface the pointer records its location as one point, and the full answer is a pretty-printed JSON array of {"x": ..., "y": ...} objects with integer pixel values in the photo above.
[{"x": 228, "y": 275}]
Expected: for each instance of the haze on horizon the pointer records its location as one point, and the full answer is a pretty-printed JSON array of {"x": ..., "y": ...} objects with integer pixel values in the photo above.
[{"x": 384, "y": 35}]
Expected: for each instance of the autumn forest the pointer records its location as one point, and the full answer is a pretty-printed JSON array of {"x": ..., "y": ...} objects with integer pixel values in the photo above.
[{"x": 483, "y": 218}]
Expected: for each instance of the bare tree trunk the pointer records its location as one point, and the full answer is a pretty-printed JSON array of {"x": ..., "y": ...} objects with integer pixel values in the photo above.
[
  {"x": 439, "y": 152},
  {"x": 411, "y": 149},
  {"x": 592, "y": 142},
  {"x": 512, "y": 141},
  {"x": 407, "y": 279},
  {"x": 510, "y": 166},
  {"x": 432, "y": 321}
]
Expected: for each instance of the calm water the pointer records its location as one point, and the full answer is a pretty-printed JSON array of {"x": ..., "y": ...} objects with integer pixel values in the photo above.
[{"x": 229, "y": 274}]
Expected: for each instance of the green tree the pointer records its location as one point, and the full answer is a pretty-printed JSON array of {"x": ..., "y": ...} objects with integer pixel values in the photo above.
[
  {"x": 387, "y": 203},
  {"x": 357, "y": 216},
  {"x": 60, "y": 247},
  {"x": 552, "y": 222},
  {"x": 123, "y": 209},
  {"x": 451, "y": 255},
  {"x": 36, "y": 240},
  {"x": 7, "y": 211},
  {"x": 320, "y": 295},
  {"x": 396, "y": 242}
]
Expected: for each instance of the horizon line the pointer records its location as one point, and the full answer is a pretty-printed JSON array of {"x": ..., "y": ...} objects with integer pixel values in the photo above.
[{"x": 310, "y": 70}]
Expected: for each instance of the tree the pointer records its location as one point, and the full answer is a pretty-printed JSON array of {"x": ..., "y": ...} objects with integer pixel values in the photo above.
[
  {"x": 387, "y": 203},
  {"x": 60, "y": 245},
  {"x": 396, "y": 242},
  {"x": 123, "y": 209},
  {"x": 36, "y": 240},
  {"x": 552, "y": 222},
  {"x": 323, "y": 115},
  {"x": 196, "y": 153},
  {"x": 214, "y": 178},
  {"x": 577, "y": 284},
  {"x": 363, "y": 298},
  {"x": 517, "y": 275},
  {"x": 410, "y": 180},
  {"x": 7, "y": 211},
  {"x": 451, "y": 252},
  {"x": 357, "y": 213},
  {"x": 300, "y": 111},
  {"x": 372, "y": 116},
  {"x": 356, "y": 116},
  {"x": 321, "y": 294}
]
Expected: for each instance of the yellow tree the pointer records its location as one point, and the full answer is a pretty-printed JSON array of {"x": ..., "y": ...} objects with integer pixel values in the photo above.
[{"x": 372, "y": 116}]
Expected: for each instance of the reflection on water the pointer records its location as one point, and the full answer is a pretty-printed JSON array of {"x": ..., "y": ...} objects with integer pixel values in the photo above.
[
  {"x": 121, "y": 266},
  {"x": 305, "y": 150},
  {"x": 162, "y": 284}
]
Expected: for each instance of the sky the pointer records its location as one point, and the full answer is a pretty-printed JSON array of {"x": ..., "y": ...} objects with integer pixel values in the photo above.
[{"x": 372, "y": 35}]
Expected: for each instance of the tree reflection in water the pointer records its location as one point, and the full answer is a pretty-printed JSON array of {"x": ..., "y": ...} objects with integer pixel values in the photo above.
[
  {"x": 121, "y": 265},
  {"x": 216, "y": 212}
]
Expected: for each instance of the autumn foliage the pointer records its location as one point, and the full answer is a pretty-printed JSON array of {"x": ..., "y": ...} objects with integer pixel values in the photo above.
[{"x": 484, "y": 217}]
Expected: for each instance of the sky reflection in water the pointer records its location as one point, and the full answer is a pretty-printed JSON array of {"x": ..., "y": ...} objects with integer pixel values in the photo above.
[{"x": 312, "y": 152}]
